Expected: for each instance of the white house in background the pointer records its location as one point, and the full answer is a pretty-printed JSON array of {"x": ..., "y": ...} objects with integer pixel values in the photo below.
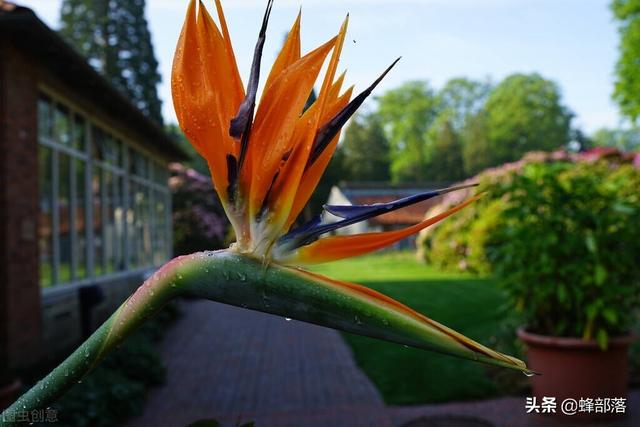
[{"x": 367, "y": 193}]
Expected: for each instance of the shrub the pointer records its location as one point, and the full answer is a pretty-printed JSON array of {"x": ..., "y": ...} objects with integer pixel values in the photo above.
[
  {"x": 567, "y": 248},
  {"x": 457, "y": 244},
  {"x": 561, "y": 233},
  {"x": 199, "y": 221},
  {"x": 116, "y": 389}
]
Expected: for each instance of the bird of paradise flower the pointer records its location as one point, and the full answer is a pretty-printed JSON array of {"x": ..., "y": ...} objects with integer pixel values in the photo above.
[{"x": 265, "y": 162}]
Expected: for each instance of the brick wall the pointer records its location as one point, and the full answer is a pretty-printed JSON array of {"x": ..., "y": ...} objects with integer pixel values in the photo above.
[{"x": 20, "y": 311}]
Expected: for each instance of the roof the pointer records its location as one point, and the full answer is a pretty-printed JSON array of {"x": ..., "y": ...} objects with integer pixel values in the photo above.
[
  {"x": 23, "y": 27},
  {"x": 367, "y": 193}
]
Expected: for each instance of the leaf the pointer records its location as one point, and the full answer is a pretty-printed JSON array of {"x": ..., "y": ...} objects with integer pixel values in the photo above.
[
  {"x": 240, "y": 280},
  {"x": 610, "y": 315},
  {"x": 600, "y": 274},
  {"x": 590, "y": 241},
  {"x": 602, "y": 338}
]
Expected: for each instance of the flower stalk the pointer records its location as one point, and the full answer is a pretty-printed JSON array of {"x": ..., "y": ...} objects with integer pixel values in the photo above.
[{"x": 236, "y": 279}]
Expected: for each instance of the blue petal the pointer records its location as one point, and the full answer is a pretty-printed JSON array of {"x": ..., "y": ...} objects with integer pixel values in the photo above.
[{"x": 352, "y": 214}]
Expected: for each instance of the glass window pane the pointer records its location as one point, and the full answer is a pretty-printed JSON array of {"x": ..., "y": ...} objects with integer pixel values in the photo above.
[
  {"x": 148, "y": 236},
  {"x": 64, "y": 212},
  {"x": 81, "y": 231},
  {"x": 132, "y": 222},
  {"x": 116, "y": 152},
  {"x": 45, "y": 223},
  {"x": 79, "y": 131},
  {"x": 62, "y": 129},
  {"x": 97, "y": 145},
  {"x": 160, "y": 223},
  {"x": 109, "y": 223},
  {"x": 119, "y": 223},
  {"x": 96, "y": 195},
  {"x": 140, "y": 164},
  {"x": 45, "y": 128}
]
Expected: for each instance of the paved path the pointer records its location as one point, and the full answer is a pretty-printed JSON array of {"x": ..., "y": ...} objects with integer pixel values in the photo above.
[{"x": 234, "y": 365}]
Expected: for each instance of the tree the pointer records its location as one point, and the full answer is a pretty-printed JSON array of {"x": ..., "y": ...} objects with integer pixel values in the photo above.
[
  {"x": 196, "y": 161},
  {"x": 475, "y": 151},
  {"x": 622, "y": 139},
  {"x": 114, "y": 37},
  {"x": 407, "y": 113},
  {"x": 365, "y": 149},
  {"x": 523, "y": 113},
  {"x": 445, "y": 161},
  {"x": 461, "y": 98},
  {"x": 627, "y": 85},
  {"x": 333, "y": 174}
]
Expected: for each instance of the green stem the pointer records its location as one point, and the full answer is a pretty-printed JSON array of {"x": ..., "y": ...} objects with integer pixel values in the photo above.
[{"x": 244, "y": 281}]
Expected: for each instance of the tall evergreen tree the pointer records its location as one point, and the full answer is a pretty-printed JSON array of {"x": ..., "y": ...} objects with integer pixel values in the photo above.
[
  {"x": 114, "y": 37},
  {"x": 366, "y": 150}
]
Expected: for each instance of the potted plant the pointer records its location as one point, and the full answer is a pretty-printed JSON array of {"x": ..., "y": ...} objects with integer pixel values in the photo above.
[{"x": 566, "y": 251}]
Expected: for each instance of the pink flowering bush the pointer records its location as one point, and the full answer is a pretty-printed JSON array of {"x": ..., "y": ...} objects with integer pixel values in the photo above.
[
  {"x": 459, "y": 243},
  {"x": 199, "y": 221},
  {"x": 561, "y": 235}
]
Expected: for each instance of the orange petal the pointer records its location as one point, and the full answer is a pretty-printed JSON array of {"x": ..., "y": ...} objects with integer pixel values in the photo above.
[
  {"x": 204, "y": 100},
  {"x": 276, "y": 118},
  {"x": 312, "y": 175},
  {"x": 289, "y": 54},
  {"x": 237, "y": 80},
  {"x": 327, "y": 83},
  {"x": 193, "y": 99},
  {"x": 338, "y": 247},
  {"x": 222, "y": 71},
  {"x": 286, "y": 184}
]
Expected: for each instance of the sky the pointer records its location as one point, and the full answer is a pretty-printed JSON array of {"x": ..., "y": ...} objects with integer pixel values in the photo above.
[{"x": 573, "y": 42}]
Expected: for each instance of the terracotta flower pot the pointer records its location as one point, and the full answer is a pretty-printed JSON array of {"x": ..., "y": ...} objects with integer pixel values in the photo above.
[
  {"x": 574, "y": 368},
  {"x": 9, "y": 393}
]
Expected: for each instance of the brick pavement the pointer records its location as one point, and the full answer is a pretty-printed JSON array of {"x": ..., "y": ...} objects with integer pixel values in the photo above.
[
  {"x": 237, "y": 365},
  {"x": 233, "y": 364}
]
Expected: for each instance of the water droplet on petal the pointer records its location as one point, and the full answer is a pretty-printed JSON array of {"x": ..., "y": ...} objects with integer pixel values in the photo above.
[{"x": 288, "y": 319}]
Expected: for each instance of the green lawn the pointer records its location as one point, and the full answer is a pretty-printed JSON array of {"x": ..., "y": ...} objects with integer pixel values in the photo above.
[{"x": 467, "y": 304}]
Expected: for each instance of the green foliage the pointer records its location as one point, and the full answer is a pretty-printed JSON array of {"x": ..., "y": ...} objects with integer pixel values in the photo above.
[
  {"x": 408, "y": 112},
  {"x": 621, "y": 139},
  {"x": 116, "y": 389},
  {"x": 408, "y": 376},
  {"x": 462, "y": 98},
  {"x": 445, "y": 160},
  {"x": 523, "y": 113},
  {"x": 627, "y": 85},
  {"x": 196, "y": 161},
  {"x": 365, "y": 150},
  {"x": 470, "y": 125},
  {"x": 569, "y": 241},
  {"x": 114, "y": 37},
  {"x": 561, "y": 234}
]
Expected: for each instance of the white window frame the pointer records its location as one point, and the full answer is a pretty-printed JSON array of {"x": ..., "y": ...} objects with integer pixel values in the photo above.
[{"x": 122, "y": 171}]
